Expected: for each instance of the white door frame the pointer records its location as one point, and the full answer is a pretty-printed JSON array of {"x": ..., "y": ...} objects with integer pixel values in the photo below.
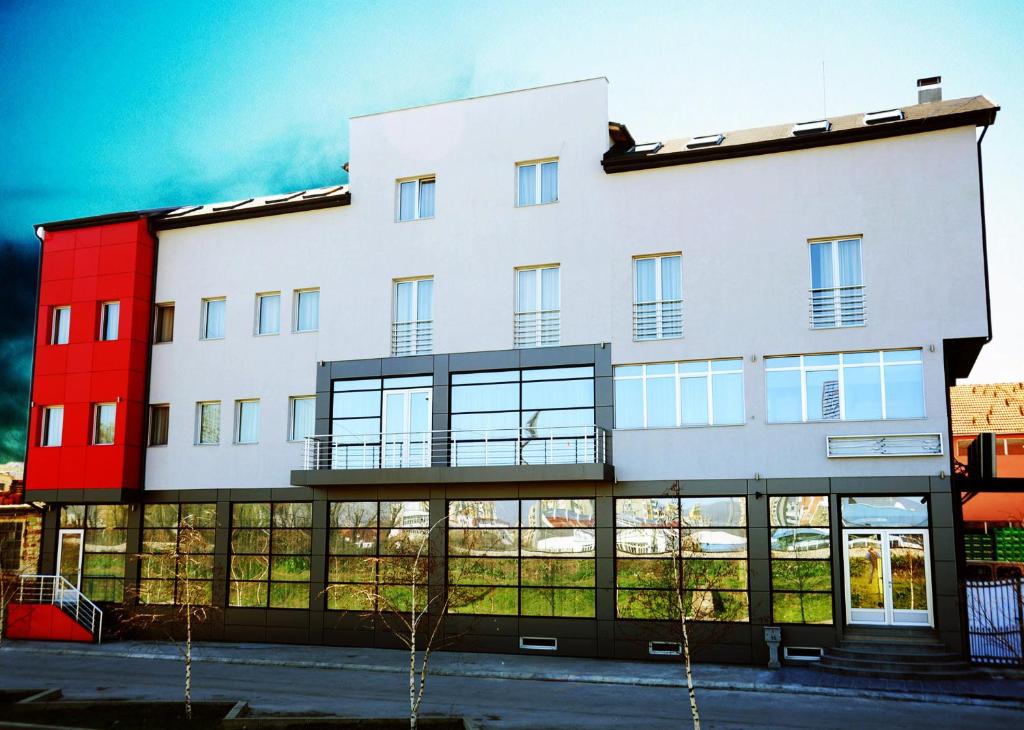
[
  {"x": 81, "y": 550},
  {"x": 407, "y": 394},
  {"x": 889, "y": 615}
]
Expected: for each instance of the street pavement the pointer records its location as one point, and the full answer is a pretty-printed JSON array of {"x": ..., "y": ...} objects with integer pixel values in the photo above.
[{"x": 588, "y": 694}]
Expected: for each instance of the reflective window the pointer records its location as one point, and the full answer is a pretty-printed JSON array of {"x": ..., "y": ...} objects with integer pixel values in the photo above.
[
  {"x": 104, "y": 548},
  {"x": 176, "y": 565},
  {"x": 270, "y": 554},
  {"x": 104, "y": 418},
  {"x": 208, "y": 423},
  {"x": 670, "y": 395},
  {"x": 801, "y": 567},
  {"x": 689, "y": 552},
  {"x": 845, "y": 386},
  {"x": 884, "y": 511}
]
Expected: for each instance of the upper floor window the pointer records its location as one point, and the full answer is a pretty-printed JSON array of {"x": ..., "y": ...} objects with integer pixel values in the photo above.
[
  {"x": 159, "y": 421},
  {"x": 110, "y": 313},
  {"x": 837, "y": 283},
  {"x": 208, "y": 423},
  {"x": 53, "y": 426},
  {"x": 61, "y": 326},
  {"x": 674, "y": 394},
  {"x": 213, "y": 318},
  {"x": 538, "y": 307},
  {"x": 302, "y": 421},
  {"x": 307, "y": 310},
  {"x": 657, "y": 297},
  {"x": 412, "y": 332},
  {"x": 104, "y": 416},
  {"x": 247, "y": 421},
  {"x": 537, "y": 182},
  {"x": 416, "y": 198},
  {"x": 850, "y": 386},
  {"x": 268, "y": 313},
  {"x": 164, "y": 326}
]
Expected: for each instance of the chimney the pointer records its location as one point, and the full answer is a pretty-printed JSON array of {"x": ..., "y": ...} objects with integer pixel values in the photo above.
[{"x": 929, "y": 89}]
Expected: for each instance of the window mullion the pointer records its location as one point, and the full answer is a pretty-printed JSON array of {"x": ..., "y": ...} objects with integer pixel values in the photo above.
[
  {"x": 842, "y": 387},
  {"x": 643, "y": 389},
  {"x": 711, "y": 398},
  {"x": 803, "y": 390},
  {"x": 881, "y": 382}
]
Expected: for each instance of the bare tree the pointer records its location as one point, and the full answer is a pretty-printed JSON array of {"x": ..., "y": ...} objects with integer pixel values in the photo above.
[{"x": 10, "y": 581}]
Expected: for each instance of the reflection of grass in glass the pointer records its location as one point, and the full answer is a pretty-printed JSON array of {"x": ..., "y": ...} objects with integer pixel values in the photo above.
[
  {"x": 565, "y": 602},
  {"x": 558, "y": 572},
  {"x": 247, "y": 594},
  {"x": 801, "y": 575},
  {"x": 644, "y": 573},
  {"x": 483, "y": 571},
  {"x": 797, "y": 608},
  {"x": 493, "y": 601},
  {"x": 909, "y": 591},
  {"x": 700, "y": 605},
  {"x": 289, "y": 595}
]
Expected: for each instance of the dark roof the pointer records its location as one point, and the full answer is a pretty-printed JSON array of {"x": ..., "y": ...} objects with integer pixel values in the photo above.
[{"x": 973, "y": 110}]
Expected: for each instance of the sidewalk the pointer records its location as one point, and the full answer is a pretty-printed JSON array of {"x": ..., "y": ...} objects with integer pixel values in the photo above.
[{"x": 794, "y": 680}]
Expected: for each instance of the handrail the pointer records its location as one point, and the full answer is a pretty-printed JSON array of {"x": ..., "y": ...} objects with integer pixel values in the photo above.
[
  {"x": 837, "y": 306},
  {"x": 537, "y": 328},
  {"x": 658, "y": 319},
  {"x": 466, "y": 447},
  {"x": 414, "y": 337},
  {"x": 58, "y": 591}
]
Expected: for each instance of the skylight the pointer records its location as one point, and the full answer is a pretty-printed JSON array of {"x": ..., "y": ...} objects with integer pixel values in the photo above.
[
  {"x": 708, "y": 140},
  {"x": 889, "y": 115},
  {"x": 648, "y": 147},
  {"x": 821, "y": 125}
]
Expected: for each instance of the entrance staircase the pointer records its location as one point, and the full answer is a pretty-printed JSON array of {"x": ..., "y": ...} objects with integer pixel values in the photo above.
[
  {"x": 895, "y": 653},
  {"x": 49, "y": 608}
]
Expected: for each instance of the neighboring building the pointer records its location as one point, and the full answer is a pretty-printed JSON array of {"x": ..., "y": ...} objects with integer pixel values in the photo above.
[
  {"x": 20, "y": 524},
  {"x": 996, "y": 408},
  {"x": 589, "y": 353}
]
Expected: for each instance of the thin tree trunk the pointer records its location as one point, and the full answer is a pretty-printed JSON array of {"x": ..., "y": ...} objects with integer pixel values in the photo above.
[
  {"x": 687, "y": 664},
  {"x": 413, "y": 705},
  {"x": 188, "y": 657}
]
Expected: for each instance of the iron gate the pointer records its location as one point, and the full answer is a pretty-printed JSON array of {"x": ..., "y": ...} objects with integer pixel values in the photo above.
[{"x": 995, "y": 621}]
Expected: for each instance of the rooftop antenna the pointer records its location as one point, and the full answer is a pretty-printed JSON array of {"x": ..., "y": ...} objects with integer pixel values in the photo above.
[{"x": 824, "y": 104}]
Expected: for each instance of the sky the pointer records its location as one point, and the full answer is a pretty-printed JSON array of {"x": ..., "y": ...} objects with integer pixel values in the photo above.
[{"x": 108, "y": 106}]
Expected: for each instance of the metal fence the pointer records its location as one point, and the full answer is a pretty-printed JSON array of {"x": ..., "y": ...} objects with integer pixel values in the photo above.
[{"x": 995, "y": 621}]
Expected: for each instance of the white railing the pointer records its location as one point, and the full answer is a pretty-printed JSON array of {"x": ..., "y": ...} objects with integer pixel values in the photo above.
[
  {"x": 538, "y": 329},
  {"x": 56, "y": 590},
  {"x": 658, "y": 320},
  {"x": 840, "y": 306},
  {"x": 412, "y": 338},
  {"x": 492, "y": 447}
]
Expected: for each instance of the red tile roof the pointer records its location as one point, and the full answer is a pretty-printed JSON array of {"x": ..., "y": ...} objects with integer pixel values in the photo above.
[{"x": 992, "y": 408}]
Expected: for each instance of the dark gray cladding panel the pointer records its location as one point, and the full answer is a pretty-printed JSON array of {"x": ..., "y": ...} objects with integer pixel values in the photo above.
[
  {"x": 555, "y": 356},
  {"x": 323, "y": 377},
  {"x": 493, "y": 360},
  {"x": 416, "y": 365},
  {"x": 440, "y": 370},
  {"x": 356, "y": 369},
  {"x": 455, "y": 475}
]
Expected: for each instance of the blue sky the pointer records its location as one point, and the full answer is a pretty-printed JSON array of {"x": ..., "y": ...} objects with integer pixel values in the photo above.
[{"x": 109, "y": 106}]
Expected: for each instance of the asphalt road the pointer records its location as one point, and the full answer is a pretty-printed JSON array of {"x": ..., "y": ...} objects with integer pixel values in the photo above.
[{"x": 498, "y": 704}]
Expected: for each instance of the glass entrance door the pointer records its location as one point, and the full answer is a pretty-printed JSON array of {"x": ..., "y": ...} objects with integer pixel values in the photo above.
[
  {"x": 888, "y": 577},
  {"x": 406, "y": 428},
  {"x": 69, "y": 557}
]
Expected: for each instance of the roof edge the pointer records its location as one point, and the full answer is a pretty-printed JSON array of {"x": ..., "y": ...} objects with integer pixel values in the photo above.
[
  {"x": 101, "y": 220},
  {"x": 160, "y": 223}
]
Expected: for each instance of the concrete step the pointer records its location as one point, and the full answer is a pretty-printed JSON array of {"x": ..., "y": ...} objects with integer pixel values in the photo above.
[
  {"x": 949, "y": 664},
  {"x": 912, "y": 656},
  {"x": 965, "y": 674},
  {"x": 895, "y": 647}
]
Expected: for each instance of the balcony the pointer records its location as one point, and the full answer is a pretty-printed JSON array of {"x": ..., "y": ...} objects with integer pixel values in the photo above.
[
  {"x": 658, "y": 320},
  {"x": 840, "y": 306},
  {"x": 412, "y": 338},
  {"x": 538, "y": 329},
  {"x": 569, "y": 453}
]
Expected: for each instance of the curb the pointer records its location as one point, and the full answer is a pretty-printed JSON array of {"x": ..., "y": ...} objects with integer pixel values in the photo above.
[{"x": 849, "y": 692}]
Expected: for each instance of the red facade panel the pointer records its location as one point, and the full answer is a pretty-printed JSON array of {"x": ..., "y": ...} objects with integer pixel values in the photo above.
[{"x": 83, "y": 268}]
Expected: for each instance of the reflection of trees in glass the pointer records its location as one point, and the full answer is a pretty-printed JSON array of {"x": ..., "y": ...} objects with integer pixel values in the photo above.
[{"x": 271, "y": 547}]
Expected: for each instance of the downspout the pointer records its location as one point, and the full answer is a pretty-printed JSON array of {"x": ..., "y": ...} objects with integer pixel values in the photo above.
[
  {"x": 984, "y": 234},
  {"x": 40, "y": 235},
  {"x": 150, "y": 228}
]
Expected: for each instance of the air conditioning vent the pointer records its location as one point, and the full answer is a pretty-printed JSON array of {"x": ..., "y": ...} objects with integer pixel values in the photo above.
[
  {"x": 538, "y": 643},
  {"x": 892, "y": 444},
  {"x": 664, "y": 648},
  {"x": 802, "y": 653}
]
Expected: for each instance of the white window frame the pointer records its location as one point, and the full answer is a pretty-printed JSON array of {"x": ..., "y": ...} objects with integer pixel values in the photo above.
[
  {"x": 841, "y": 368},
  {"x": 96, "y": 408},
  {"x": 535, "y": 308},
  {"x": 415, "y": 281},
  {"x": 239, "y": 408},
  {"x": 55, "y": 317},
  {"x": 419, "y": 180},
  {"x": 258, "y": 324},
  {"x": 104, "y": 321},
  {"x": 834, "y": 247},
  {"x": 659, "y": 299},
  {"x": 296, "y": 295},
  {"x": 292, "y": 400},
  {"x": 677, "y": 377},
  {"x": 537, "y": 181},
  {"x": 205, "y": 312},
  {"x": 200, "y": 405},
  {"x": 45, "y": 431}
]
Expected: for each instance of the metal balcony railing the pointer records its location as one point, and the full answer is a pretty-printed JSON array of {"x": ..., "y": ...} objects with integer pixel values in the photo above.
[
  {"x": 491, "y": 447},
  {"x": 56, "y": 590},
  {"x": 412, "y": 338},
  {"x": 840, "y": 306},
  {"x": 538, "y": 329},
  {"x": 658, "y": 320}
]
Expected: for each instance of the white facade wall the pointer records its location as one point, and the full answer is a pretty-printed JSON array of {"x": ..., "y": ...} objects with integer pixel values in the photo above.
[{"x": 742, "y": 226}]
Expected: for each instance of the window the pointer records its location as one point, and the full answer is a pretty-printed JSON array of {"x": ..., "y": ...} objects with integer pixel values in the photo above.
[
  {"x": 307, "y": 310},
  {"x": 110, "y": 313},
  {"x": 11, "y": 534},
  {"x": 176, "y": 565},
  {"x": 104, "y": 415},
  {"x": 538, "y": 304},
  {"x": 694, "y": 544},
  {"x": 61, "y": 327},
  {"x": 801, "y": 565},
  {"x": 213, "y": 318},
  {"x": 416, "y": 199},
  {"x": 531, "y": 557},
  {"x": 371, "y": 554},
  {"x": 159, "y": 420},
  {"x": 103, "y": 547},
  {"x": 657, "y": 297},
  {"x": 268, "y": 313},
  {"x": 412, "y": 332},
  {"x": 53, "y": 426},
  {"x": 271, "y": 545},
  {"x": 852, "y": 386},
  {"x": 208, "y": 423},
  {"x": 247, "y": 421},
  {"x": 674, "y": 394},
  {"x": 837, "y": 283},
  {"x": 537, "y": 186},
  {"x": 164, "y": 326},
  {"x": 302, "y": 410}
]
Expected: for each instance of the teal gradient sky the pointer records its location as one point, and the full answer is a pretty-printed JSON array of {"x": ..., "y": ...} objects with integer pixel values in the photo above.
[{"x": 122, "y": 105}]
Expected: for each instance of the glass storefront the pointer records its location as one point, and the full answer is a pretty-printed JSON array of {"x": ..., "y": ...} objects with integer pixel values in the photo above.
[
  {"x": 176, "y": 564},
  {"x": 270, "y": 554},
  {"x": 801, "y": 565}
]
